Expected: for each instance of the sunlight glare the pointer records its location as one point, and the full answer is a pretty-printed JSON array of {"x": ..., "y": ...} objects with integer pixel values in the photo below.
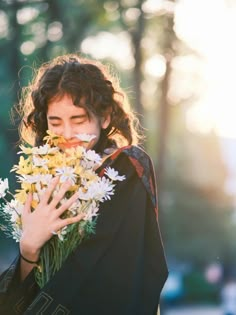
[
  {"x": 55, "y": 32},
  {"x": 27, "y": 47},
  {"x": 151, "y": 6},
  {"x": 156, "y": 6},
  {"x": 209, "y": 29},
  {"x": 210, "y": 114},
  {"x": 186, "y": 79},
  {"x": 156, "y": 66},
  {"x": 3, "y": 24},
  {"x": 198, "y": 120},
  {"x": 148, "y": 87},
  {"x": 107, "y": 45},
  {"x": 132, "y": 15},
  {"x": 26, "y": 15}
]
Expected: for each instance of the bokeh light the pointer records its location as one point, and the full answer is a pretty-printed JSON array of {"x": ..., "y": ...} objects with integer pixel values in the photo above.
[{"x": 210, "y": 32}]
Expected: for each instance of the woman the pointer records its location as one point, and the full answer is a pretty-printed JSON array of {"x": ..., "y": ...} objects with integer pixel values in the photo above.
[{"x": 121, "y": 269}]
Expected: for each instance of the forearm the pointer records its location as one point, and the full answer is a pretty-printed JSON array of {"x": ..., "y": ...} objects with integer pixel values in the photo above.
[
  {"x": 29, "y": 259},
  {"x": 25, "y": 269}
]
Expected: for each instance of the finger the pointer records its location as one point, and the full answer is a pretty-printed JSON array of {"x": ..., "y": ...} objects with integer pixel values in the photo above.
[
  {"x": 27, "y": 206},
  {"x": 60, "y": 194},
  {"x": 71, "y": 220},
  {"x": 67, "y": 204},
  {"x": 51, "y": 187}
]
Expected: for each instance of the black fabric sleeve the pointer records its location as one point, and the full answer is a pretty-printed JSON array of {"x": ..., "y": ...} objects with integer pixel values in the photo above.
[{"x": 15, "y": 296}]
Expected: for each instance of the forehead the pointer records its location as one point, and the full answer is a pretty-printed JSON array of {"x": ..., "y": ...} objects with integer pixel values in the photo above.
[{"x": 64, "y": 106}]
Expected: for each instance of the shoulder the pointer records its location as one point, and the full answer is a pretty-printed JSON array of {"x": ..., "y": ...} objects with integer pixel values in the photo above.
[
  {"x": 130, "y": 155},
  {"x": 137, "y": 157},
  {"x": 133, "y": 159},
  {"x": 133, "y": 153}
]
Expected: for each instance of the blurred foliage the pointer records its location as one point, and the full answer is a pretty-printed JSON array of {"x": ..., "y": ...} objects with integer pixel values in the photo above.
[
  {"x": 197, "y": 289},
  {"x": 195, "y": 212},
  {"x": 195, "y": 207}
]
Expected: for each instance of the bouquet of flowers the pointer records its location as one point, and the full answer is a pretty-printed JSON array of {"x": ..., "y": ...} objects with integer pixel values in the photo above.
[{"x": 36, "y": 168}]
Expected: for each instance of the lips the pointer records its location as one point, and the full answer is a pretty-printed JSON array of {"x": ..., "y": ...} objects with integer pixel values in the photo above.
[{"x": 68, "y": 145}]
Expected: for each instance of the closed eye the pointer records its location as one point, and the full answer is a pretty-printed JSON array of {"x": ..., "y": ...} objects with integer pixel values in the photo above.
[
  {"x": 79, "y": 122},
  {"x": 55, "y": 125}
]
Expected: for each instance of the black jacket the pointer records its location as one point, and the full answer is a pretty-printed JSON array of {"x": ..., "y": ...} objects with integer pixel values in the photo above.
[{"x": 120, "y": 270}]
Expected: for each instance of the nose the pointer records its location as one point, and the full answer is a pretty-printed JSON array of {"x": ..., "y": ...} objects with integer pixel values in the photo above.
[{"x": 68, "y": 132}]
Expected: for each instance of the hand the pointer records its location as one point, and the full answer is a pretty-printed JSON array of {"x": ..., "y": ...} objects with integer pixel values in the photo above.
[{"x": 38, "y": 225}]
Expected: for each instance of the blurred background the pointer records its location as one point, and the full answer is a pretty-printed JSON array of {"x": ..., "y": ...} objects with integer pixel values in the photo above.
[{"x": 176, "y": 60}]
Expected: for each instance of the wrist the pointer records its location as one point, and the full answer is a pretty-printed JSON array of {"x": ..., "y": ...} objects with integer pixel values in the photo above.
[
  {"x": 32, "y": 262},
  {"x": 29, "y": 252}
]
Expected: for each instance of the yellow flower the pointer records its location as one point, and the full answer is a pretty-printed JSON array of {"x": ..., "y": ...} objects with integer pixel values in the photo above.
[
  {"x": 21, "y": 196},
  {"x": 34, "y": 204},
  {"x": 76, "y": 152},
  {"x": 78, "y": 169},
  {"x": 25, "y": 150},
  {"x": 89, "y": 175},
  {"x": 27, "y": 186},
  {"x": 55, "y": 160},
  {"x": 53, "y": 139},
  {"x": 18, "y": 222},
  {"x": 24, "y": 167}
]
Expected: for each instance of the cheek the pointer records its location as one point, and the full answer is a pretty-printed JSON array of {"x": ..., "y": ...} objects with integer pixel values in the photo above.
[
  {"x": 91, "y": 127},
  {"x": 96, "y": 129}
]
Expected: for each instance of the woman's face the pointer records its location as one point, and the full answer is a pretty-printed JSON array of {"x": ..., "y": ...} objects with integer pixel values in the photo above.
[{"x": 67, "y": 120}]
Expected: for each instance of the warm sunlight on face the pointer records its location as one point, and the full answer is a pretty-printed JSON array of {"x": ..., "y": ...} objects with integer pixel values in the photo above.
[
  {"x": 67, "y": 120},
  {"x": 209, "y": 28}
]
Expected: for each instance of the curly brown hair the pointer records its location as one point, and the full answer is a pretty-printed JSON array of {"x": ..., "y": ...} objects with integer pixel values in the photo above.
[{"x": 82, "y": 79}]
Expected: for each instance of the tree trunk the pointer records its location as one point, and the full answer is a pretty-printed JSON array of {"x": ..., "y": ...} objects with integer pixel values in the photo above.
[
  {"x": 137, "y": 36},
  {"x": 164, "y": 112}
]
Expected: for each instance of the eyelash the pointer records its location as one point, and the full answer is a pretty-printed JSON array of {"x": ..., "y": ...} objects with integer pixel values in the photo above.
[
  {"x": 57, "y": 125},
  {"x": 53, "y": 125}
]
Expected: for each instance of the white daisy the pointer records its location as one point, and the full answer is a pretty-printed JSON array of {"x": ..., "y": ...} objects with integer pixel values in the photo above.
[
  {"x": 13, "y": 206},
  {"x": 30, "y": 179},
  {"x": 62, "y": 233},
  {"x": 39, "y": 162},
  {"x": 75, "y": 207},
  {"x": 44, "y": 149},
  {"x": 113, "y": 174},
  {"x": 14, "y": 216},
  {"x": 99, "y": 191},
  {"x": 91, "y": 155},
  {"x": 85, "y": 137},
  {"x": 66, "y": 173},
  {"x": 91, "y": 211},
  {"x": 90, "y": 159},
  {"x": 17, "y": 233},
  {"x": 3, "y": 187},
  {"x": 45, "y": 178}
]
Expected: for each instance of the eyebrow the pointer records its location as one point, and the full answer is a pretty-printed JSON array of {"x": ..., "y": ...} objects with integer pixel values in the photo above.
[{"x": 72, "y": 117}]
